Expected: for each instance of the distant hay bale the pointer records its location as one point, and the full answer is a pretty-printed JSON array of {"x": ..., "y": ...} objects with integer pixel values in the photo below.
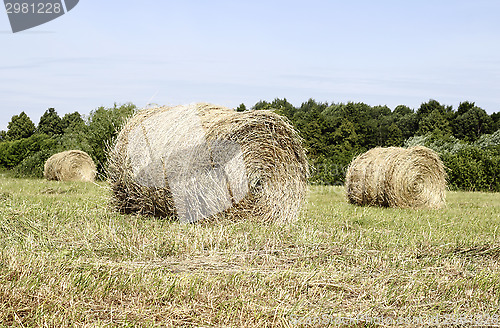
[
  {"x": 397, "y": 177},
  {"x": 71, "y": 165},
  {"x": 202, "y": 161}
]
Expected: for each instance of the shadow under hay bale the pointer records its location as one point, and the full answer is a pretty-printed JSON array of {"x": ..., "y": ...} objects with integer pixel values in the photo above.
[
  {"x": 204, "y": 161},
  {"x": 397, "y": 177},
  {"x": 71, "y": 165}
]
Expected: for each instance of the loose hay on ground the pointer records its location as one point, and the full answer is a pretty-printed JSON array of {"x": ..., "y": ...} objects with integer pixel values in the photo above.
[
  {"x": 189, "y": 149},
  {"x": 397, "y": 177},
  {"x": 71, "y": 165}
]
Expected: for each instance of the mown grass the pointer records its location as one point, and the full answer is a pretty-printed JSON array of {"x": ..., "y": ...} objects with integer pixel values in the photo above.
[{"x": 66, "y": 260}]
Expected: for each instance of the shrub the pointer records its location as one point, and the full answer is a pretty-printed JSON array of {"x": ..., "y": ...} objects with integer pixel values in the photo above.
[
  {"x": 12, "y": 153},
  {"x": 471, "y": 166},
  {"x": 32, "y": 166},
  {"x": 473, "y": 169},
  {"x": 103, "y": 126}
]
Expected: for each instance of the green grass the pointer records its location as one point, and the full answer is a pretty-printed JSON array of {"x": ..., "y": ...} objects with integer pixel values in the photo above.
[{"x": 66, "y": 260}]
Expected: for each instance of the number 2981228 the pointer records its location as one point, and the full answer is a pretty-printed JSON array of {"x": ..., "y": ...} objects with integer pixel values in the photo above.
[{"x": 33, "y": 8}]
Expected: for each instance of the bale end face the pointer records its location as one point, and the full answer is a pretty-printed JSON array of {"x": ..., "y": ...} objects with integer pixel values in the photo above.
[
  {"x": 71, "y": 165},
  {"x": 397, "y": 177},
  {"x": 199, "y": 161}
]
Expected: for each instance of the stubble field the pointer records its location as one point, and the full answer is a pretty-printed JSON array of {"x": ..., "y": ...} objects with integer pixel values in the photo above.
[{"x": 67, "y": 260}]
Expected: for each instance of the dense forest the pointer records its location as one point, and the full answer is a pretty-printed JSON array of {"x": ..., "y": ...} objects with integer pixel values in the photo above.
[{"x": 467, "y": 139}]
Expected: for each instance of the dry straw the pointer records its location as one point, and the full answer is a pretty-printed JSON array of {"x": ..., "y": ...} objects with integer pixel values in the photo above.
[
  {"x": 200, "y": 160},
  {"x": 71, "y": 165},
  {"x": 397, "y": 177}
]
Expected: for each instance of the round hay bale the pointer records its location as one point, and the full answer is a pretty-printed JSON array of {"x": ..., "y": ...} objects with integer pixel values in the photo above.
[
  {"x": 397, "y": 177},
  {"x": 202, "y": 161},
  {"x": 71, "y": 165}
]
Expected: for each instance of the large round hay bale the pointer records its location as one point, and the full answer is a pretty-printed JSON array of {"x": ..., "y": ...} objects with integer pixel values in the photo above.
[
  {"x": 397, "y": 177},
  {"x": 71, "y": 165},
  {"x": 202, "y": 161}
]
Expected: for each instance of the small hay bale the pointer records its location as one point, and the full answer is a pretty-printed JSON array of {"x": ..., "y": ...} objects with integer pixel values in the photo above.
[
  {"x": 70, "y": 165},
  {"x": 397, "y": 177},
  {"x": 202, "y": 161}
]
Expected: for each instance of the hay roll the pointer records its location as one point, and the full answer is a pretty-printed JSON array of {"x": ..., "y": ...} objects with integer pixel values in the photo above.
[
  {"x": 199, "y": 161},
  {"x": 71, "y": 165},
  {"x": 397, "y": 177}
]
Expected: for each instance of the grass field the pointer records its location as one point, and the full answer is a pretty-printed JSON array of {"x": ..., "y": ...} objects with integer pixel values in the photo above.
[{"x": 66, "y": 260}]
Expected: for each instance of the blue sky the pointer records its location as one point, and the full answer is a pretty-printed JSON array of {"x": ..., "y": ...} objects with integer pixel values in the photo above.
[{"x": 231, "y": 52}]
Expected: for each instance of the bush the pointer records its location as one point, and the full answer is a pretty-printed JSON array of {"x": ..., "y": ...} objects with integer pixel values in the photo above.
[
  {"x": 103, "y": 127},
  {"x": 489, "y": 140},
  {"x": 328, "y": 172},
  {"x": 33, "y": 165},
  {"x": 471, "y": 166},
  {"x": 473, "y": 169},
  {"x": 14, "y": 152}
]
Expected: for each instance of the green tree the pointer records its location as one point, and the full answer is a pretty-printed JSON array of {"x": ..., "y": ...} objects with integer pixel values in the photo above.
[
  {"x": 402, "y": 110},
  {"x": 436, "y": 123},
  {"x": 72, "y": 122},
  {"x": 393, "y": 135},
  {"x": 464, "y": 107},
  {"x": 76, "y": 133},
  {"x": 311, "y": 127},
  {"x": 383, "y": 122},
  {"x": 3, "y": 136},
  {"x": 241, "y": 108},
  {"x": 261, "y": 105},
  {"x": 406, "y": 120},
  {"x": 20, "y": 127},
  {"x": 430, "y": 106},
  {"x": 436, "y": 118},
  {"x": 50, "y": 123},
  {"x": 471, "y": 124},
  {"x": 345, "y": 137},
  {"x": 103, "y": 127},
  {"x": 283, "y": 107},
  {"x": 496, "y": 120}
]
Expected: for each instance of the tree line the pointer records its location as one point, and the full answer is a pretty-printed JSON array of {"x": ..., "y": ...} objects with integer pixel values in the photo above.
[
  {"x": 467, "y": 139},
  {"x": 24, "y": 147}
]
